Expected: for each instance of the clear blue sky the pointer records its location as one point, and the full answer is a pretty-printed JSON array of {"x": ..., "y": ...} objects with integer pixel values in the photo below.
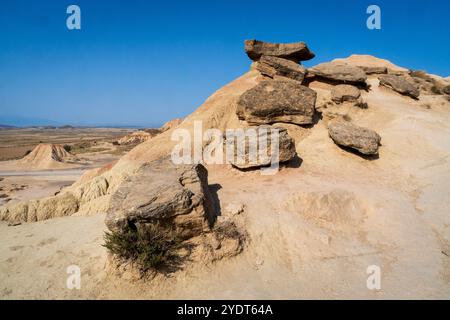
[{"x": 145, "y": 62}]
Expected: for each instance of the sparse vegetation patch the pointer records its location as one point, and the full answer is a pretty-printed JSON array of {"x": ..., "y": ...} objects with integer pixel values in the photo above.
[{"x": 149, "y": 246}]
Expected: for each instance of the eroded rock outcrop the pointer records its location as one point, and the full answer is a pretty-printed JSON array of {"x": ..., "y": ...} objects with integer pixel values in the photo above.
[
  {"x": 138, "y": 136},
  {"x": 350, "y": 135},
  {"x": 345, "y": 92},
  {"x": 297, "y": 51},
  {"x": 46, "y": 156},
  {"x": 161, "y": 192},
  {"x": 171, "y": 124},
  {"x": 374, "y": 70},
  {"x": 256, "y": 148},
  {"x": 277, "y": 101},
  {"x": 339, "y": 72},
  {"x": 399, "y": 84},
  {"x": 65, "y": 203},
  {"x": 274, "y": 67}
]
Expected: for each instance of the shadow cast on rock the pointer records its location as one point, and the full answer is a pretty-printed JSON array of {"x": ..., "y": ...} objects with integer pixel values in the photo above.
[
  {"x": 294, "y": 163},
  {"x": 359, "y": 85},
  {"x": 315, "y": 120},
  {"x": 177, "y": 262},
  {"x": 359, "y": 154},
  {"x": 213, "y": 189}
]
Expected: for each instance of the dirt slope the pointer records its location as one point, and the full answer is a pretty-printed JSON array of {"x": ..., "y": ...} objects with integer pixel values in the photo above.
[{"x": 46, "y": 156}]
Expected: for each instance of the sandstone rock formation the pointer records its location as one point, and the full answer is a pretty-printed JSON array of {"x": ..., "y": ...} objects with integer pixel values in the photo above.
[
  {"x": 256, "y": 151},
  {"x": 371, "y": 64},
  {"x": 296, "y": 52},
  {"x": 277, "y": 101},
  {"x": 171, "y": 124},
  {"x": 65, "y": 203},
  {"x": 428, "y": 83},
  {"x": 163, "y": 192},
  {"x": 339, "y": 72},
  {"x": 277, "y": 67},
  {"x": 138, "y": 137},
  {"x": 345, "y": 92},
  {"x": 350, "y": 135},
  {"x": 374, "y": 70},
  {"x": 399, "y": 84},
  {"x": 46, "y": 156}
]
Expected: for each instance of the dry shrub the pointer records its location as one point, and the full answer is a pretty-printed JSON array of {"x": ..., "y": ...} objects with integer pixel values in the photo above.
[{"x": 149, "y": 246}]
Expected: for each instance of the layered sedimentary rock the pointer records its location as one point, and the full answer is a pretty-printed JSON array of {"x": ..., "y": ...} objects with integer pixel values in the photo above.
[
  {"x": 339, "y": 72},
  {"x": 171, "y": 124},
  {"x": 138, "y": 136},
  {"x": 274, "y": 67},
  {"x": 277, "y": 101},
  {"x": 161, "y": 192},
  {"x": 297, "y": 51},
  {"x": 345, "y": 92},
  {"x": 261, "y": 146},
  {"x": 399, "y": 84},
  {"x": 350, "y": 135}
]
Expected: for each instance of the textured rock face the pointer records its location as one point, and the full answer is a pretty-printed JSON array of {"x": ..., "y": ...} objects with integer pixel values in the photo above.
[
  {"x": 256, "y": 149},
  {"x": 138, "y": 137},
  {"x": 345, "y": 92},
  {"x": 362, "y": 139},
  {"x": 446, "y": 89},
  {"x": 63, "y": 204},
  {"x": 35, "y": 210},
  {"x": 399, "y": 84},
  {"x": 163, "y": 192},
  {"x": 277, "y": 101},
  {"x": 45, "y": 156},
  {"x": 374, "y": 70},
  {"x": 339, "y": 72},
  {"x": 297, "y": 51},
  {"x": 277, "y": 67},
  {"x": 171, "y": 124}
]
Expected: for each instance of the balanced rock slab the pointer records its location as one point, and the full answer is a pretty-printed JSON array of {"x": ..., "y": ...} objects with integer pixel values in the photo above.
[
  {"x": 399, "y": 84},
  {"x": 277, "y": 101},
  {"x": 297, "y": 51},
  {"x": 339, "y": 72},
  {"x": 258, "y": 148},
  {"x": 279, "y": 67},
  {"x": 345, "y": 92},
  {"x": 350, "y": 135},
  {"x": 374, "y": 70},
  {"x": 163, "y": 192}
]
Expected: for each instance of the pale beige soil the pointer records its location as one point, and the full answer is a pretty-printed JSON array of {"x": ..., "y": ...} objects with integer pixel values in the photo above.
[{"x": 313, "y": 228}]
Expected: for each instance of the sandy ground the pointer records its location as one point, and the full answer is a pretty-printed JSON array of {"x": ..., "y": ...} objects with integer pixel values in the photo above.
[{"x": 314, "y": 228}]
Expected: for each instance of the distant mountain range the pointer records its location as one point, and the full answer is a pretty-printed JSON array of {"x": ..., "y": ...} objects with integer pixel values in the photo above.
[
  {"x": 5, "y": 126},
  {"x": 7, "y": 121}
]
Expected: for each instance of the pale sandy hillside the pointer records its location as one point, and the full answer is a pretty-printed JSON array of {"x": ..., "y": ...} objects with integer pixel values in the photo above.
[
  {"x": 370, "y": 61},
  {"x": 44, "y": 156},
  {"x": 313, "y": 229}
]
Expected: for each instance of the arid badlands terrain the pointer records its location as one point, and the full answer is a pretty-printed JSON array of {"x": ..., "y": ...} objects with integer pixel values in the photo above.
[{"x": 365, "y": 180}]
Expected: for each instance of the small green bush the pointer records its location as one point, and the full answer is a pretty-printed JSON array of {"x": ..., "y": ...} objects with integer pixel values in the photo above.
[{"x": 150, "y": 246}]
